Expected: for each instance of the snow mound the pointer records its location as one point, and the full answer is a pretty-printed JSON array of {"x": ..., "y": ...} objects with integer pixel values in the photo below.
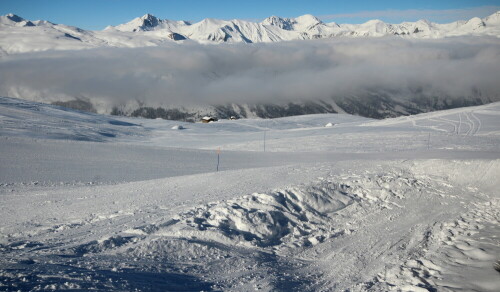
[
  {"x": 290, "y": 218},
  {"x": 178, "y": 127},
  {"x": 293, "y": 217},
  {"x": 98, "y": 246}
]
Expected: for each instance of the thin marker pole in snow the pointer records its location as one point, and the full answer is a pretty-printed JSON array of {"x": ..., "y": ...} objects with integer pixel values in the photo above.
[
  {"x": 429, "y": 142},
  {"x": 265, "y": 140},
  {"x": 218, "y": 158},
  {"x": 265, "y": 132}
]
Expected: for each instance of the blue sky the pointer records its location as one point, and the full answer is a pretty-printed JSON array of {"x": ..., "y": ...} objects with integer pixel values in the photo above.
[{"x": 97, "y": 14}]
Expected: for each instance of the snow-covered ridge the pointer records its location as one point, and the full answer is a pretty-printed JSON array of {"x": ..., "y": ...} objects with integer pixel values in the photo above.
[
  {"x": 307, "y": 26},
  {"x": 20, "y": 35}
]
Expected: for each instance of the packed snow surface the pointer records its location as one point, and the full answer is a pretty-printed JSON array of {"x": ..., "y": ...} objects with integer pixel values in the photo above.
[{"x": 111, "y": 203}]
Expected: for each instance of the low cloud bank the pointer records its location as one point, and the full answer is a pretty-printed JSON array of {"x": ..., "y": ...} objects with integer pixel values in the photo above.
[{"x": 213, "y": 74}]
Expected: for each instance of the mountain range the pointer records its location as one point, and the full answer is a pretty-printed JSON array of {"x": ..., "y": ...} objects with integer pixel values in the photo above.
[
  {"x": 18, "y": 35},
  {"x": 304, "y": 27}
]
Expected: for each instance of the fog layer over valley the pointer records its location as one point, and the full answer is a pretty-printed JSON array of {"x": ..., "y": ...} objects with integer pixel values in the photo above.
[{"x": 371, "y": 77}]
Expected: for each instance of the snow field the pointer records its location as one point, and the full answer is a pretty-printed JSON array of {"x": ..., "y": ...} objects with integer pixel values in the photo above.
[
  {"x": 145, "y": 210},
  {"x": 267, "y": 240}
]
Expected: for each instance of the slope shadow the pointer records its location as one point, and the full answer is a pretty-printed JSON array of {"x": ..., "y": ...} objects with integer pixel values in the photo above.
[
  {"x": 45, "y": 276},
  {"x": 286, "y": 272}
]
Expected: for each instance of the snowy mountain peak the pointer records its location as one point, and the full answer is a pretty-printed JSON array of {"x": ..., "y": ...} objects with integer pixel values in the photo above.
[
  {"x": 14, "y": 20},
  {"x": 148, "y": 16},
  {"x": 374, "y": 22},
  {"x": 143, "y": 23},
  {"x": 283, "y": 23},
  {"x": 308, "y": 19},
  {"x": 493, "y": 20},
  {"x": 476, "y": 21},
  {"x": 14, "y": 17},
  {"x": 306, "y": 22},
  {"x": 211, "y": 21},
  {"x": 148, "y": 21},
  {"x": 303, "y": 22},
  {"x": 495, "y": 15}
]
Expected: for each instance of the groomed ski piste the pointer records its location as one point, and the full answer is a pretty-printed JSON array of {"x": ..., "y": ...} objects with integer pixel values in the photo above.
[{"x": 94, "y": 202}]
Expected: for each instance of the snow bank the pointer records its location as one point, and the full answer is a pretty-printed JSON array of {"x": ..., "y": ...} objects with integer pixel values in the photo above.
[{"x": 292, "y": 217}]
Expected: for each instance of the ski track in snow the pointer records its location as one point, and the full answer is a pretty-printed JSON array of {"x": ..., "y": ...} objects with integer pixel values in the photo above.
[
  {"x": 459, "y": 123},
  {"x": 470, "y": 244},
  {"x": 473, "y": 123},
  {"x": 447, "y": 121},
  {"x": 470, "y": 123},
  {"x": 478, "y": 128},
  {"x": 383, "y": 213}
]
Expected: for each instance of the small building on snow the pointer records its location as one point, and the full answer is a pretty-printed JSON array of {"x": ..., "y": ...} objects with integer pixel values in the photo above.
[{"x": 207, "y": 119}]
